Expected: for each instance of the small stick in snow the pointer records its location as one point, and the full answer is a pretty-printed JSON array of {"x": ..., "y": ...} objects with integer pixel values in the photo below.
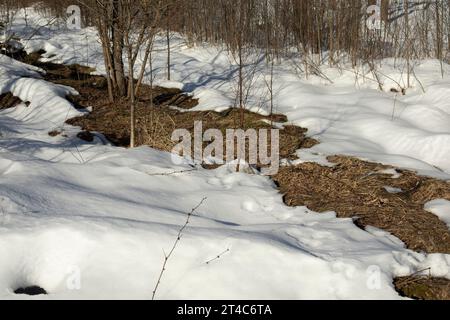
[
  {"x": 167, "y": 257},
  {"x": 172, "y": 172},
  {"x": 218, "y": 257}
]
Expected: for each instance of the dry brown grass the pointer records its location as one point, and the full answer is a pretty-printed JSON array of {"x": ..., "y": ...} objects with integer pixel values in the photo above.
[
  {"x": 423, "y": 288},
  {"x": 156, "y": 119},
  {"x": 155, "y": 125},
  {"x": 356, "y": 189}
]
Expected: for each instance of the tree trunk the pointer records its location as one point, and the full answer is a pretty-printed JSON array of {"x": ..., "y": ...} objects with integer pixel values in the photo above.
[
  {"x": 118, "y": 46},
  {"x": 132, "y": 102},
  {"x": 168, "y": 48}
]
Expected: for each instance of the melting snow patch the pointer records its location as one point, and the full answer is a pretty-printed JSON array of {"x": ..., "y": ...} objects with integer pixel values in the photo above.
[
  {"x": 393, "y": 190},
  {"x": 441, "y": 208},
  {"x": 393, "y": 172}
]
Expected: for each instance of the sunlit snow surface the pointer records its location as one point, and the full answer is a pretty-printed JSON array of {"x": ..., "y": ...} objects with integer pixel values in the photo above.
[{"x": 108, "y": 214}]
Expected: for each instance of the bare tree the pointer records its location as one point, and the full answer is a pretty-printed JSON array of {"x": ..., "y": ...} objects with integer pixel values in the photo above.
[{"x": 126, "y": 27}]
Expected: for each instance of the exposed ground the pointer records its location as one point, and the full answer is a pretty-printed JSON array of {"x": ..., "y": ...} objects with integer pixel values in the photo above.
[
  {"x": 158, "y": 112},
  {"x": 423, "y": 288},
  {"x": 156, "y": 123},
  {"x": 7, "y": 100},
  {"x": 357, "y": 189},
  {"x": 353, "y": 188}
]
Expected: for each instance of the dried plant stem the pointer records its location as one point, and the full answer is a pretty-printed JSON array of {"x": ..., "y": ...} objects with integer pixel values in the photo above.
[
  {"x": 175, "y": 244},
  {"x": 218, "y": 256}
]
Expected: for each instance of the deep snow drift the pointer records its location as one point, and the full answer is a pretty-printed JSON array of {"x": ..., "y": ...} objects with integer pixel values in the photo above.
[{"x": 89, "y": 220}]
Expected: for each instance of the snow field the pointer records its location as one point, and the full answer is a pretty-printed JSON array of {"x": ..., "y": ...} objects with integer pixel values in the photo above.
[{"x": 71, "y": 210}]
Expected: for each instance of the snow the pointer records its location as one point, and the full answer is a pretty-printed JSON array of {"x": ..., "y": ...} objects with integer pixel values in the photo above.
[
  {"x": 347, "y": 113},
  {"x": 13, "y": 70},
  {"x": 90, "y": 220},
  {"x": 441, "y": 208}
]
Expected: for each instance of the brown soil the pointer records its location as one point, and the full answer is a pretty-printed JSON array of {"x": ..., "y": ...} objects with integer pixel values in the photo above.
[
  {"x": 156, "y": 122},
  {"x": 7, "y": 100},
  {"x": 356, "y": 189},
  {"x": 423, "y": 288},
  {"x": 156, "y": 119},
  {"x": 54, "y": 133}
]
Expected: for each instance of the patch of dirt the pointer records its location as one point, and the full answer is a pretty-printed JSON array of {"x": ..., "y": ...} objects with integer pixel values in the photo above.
[
  {"x": 86, "y": 136},
  {"x": 423, "y": 288},
  {"x": 54, "y": 133},
  {"x": 356, "y": 189},
  {"x": 175, "y": 97},
  {"x": 156, "y": 119},
  {"x": 156, "y": 123},
  {"x": 7, "y": 100}
]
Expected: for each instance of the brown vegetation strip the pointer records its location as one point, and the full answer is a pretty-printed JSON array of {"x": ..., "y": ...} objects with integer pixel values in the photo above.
[
  {"x": 423, "y": 288},
  {"x": 356, "y": 189},
  {"x": 156, "y": 125},
  {"x": 156, "y": 119}
]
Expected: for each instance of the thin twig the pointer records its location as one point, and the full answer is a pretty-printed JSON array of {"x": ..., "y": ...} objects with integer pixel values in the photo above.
[
  {"x": 218, "y": 257},
  {"x": 415, "y": 277},
  {"x": 172, "y": 172},
  {"x": 178, "y": 239}
]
